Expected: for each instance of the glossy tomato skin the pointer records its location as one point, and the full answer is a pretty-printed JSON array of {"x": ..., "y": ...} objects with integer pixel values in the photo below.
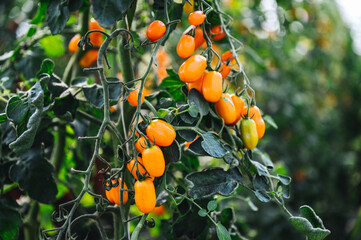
[
  {"x": 228, "y": 55},
  {"x": 238, "y": 104},
  {"x": 261, "y": 127},
  {"x": 113, "y": 195},
  {"x": 96, "y": 38},
  {"x": 159, "y": 211},
  {"x": 132, "y": 167},
  {"x": 226, "y": 109},
  {"x": 212, "y": 86},
  {"x": 219, "y": 33},
  {"x": 193, "y": 68},
  {"x": 89, "y": 58},
  {"x": 198, "y": 37},
  {"x": 197, "y": 85},
  {"x": 133, "y": 98},
  {"x": 73, "y": 44},
  {"x": 256, "y": 115},
  {"x": 186, "y": 46},
  {"x": 140, "y": 144},
  {"x": 156, "y": 30},
  {"x": 196, "y": 18},
  {"x": 249, "y": 134},
  {"x": 145, "y": 197},
  {"x": 161, "y": 132},
  {"x": 225, "y": 70},
  {"x": 153, "y": 161},
  {"x": 253, "y": 112}
]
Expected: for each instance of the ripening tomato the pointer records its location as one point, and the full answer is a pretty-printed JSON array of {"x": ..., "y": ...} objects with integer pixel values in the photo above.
[
  {"x": 212, "y": 86},
  {"x": 161, "y": 132},
  {"x": 159, "y": 211},
  {"x": 96, "y": 38},
  {"x": 261, "y": 127},
  {"x": 193, "y": 68},
  {"x": 238, "y": 104},
  {"x": 156, "y": 30},
  {"x": 198, "y": 37},
  {"x": 249, "y": 134},
  {"x": 197, "y": 84},
  {"x": 89, "y": 58},
  {"x": 132, "y": 167},
  {"x": 140, "y": 144},
  {"x": 196, "y": 18},
  {"x": 186, "y": 46},
  {"x": 73, "y": 44},
  {"x": 113, "y": 195},
  {"x": 226, "y": 109},
  {"x": 145, "y": 197},
  {"x": 153, "y": 161},
  {"x": 218, "y": 33},
  {"x": 253, "y": 112},
  {"x": 133, "y": 98},
  {"x": 227, "y": 56},
  {"x": 225, "y": 70}
]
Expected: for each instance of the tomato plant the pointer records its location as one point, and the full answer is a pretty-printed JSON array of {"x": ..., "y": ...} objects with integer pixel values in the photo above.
[{"x": 120, "y": 118}]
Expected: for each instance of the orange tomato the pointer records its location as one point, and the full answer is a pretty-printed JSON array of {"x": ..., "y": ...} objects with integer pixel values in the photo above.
[
  {"x": 140, "y": 142},
  {"x": 197, "y": 84},
  {"x": 153, "y": 161},
  {"x": 96, "y": 38},
  {"x": 113, "y": 195},
  {"x": 186, "y": 46},
  {"x": 156, "y": 30},
  {"x": 255, "y": 114},
  {"x": 73, "y": 44},
  {"x": 133, "y": 98},
  {"x": 112, "y": 109},
  {"x": 226, "y": 109},
  {"x": 132, "y": 167},
  {"x": 198, "y": 37},
  {"x": 193, "y": 68},
  {"x": 212, "y": 86},
  {"x": 238, "y": 104},
  {"x": 161, "y": 132},
  {"x": 159, "y": 211},
  {"x": 196, "y": 18},
  {"x": 261, "y": 127},
  {"x": 145, "y": 197},
  {"x": 219, "y": 33},
  {"x": 225, "y": 70},
  {"x": 89, "y": 58},
  {"x": 227, "y": 55}
]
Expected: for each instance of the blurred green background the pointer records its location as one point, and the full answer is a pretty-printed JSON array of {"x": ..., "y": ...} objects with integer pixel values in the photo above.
[{"x": 300, "y": 58}]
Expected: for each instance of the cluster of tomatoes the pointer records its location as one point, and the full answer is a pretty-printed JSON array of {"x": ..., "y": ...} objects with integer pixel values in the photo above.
[
  {"x": 96, "y": 39},
  {"x": 144, "y": 169}
]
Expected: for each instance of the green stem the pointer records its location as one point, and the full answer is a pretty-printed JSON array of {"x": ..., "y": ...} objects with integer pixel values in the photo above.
[
  {"x": 139, "y": 227},
  {"x": 151, "y": 108},
  {"x": 31, "y": 222},
  {"x": 58, "y": 154},
  {"x": 116, "y": 223}
]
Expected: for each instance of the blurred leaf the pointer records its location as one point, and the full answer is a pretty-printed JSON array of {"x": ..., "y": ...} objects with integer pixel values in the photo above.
[
  {"x": 53, "y": 45},
  {"x": 212, "y": 205},
  {"x": 222, "y": 232},
  {"x": 107, "y": 12},
  {"x": 10, "y": 219},
  {"x": 196, "y": 98},
  {"x": 94, "y": 94},
  {"x": 75, "y": 5},
  {"x": 304, "y": 226},
  {"x": 56, "y": 86},
  {"x": 308, "y": 213},
  {"x": 212, "y": 145},
  {"x": 202, "y": 212},
  {"x": 284, "y": 179},
  {"x": 58, "y": 15},
  {"x": 268, "y": 119},
  {"x": 196, "y": 147},
  {"x": 3, "y": 117},
  {"x": 213, "y": 181},
  {"x": 47, "y": 66},
  {"x": 29, "y": 63},
  {"x": 65, "y": 106},
  {"x": 187, "y": 135},
  {"x": 172, "y": 153},
  {"x": 41, "y": 12},
  {"x": 34, "y": 175},
  {"x": 226, "y": 217},
  {"x": 264, "y": 157}
]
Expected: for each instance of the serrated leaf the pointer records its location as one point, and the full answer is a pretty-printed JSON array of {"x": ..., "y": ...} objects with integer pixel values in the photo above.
[
  {"x": 53, "y": 45},
  {"x": 268, "y": 119},
  {"x": 107, "y": 12},
  {"x": 222, "y": 232},
  {"x": 196, "y": 98},
  {"x": 212, "y": 145},
  {"x": 10, "y": 219},
  {"x": 202, "y": 212},
  {"x": 213, "y": 181},
  {"x": 58, "y": 15},
  {"x": 34, "y": 174},
  {"x": 212, "y": 205}
]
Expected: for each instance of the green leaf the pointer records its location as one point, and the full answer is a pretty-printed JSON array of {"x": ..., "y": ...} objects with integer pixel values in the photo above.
[
  {"x": 10, "y": 219},
  {"x": 47, "y": 67},
  {"x": 202, "y": 212},
  {"x": 268, "y": 119},
  {"x": 41, "y": 12},
  {"x": 3, "y": 117},
  {"x": 25, "y": 111},
  {"x": 262, "y": 196},
  {"x": 53, "y": 45},
  {"x": 94, "y": 93},
  {"x": 173, "y": 84},
  {"x": 65, "y": 106},
  {"x": 284, "y": 179},
  {"x": 212, "y": 205},
  {"x": 226, "y": 217},
  {"x": 213, "y": 181},
  {"x": 187, "y": 135},
  {"x": 212, "y": 145},
  {"x": 107, "y": 12},
  {"x": 196, "y": 98},
  {"x": 304, "y": 226},
  {"x": 58, "y": 15},
  {"x": 56, "y": 86},
  {"x": 308, "y": 213},
  {"x": 29, "y": 63},
  {"x": 172, "y": 153},
  {"x": 263, "y": 157},
  {"x": 193, "y": 110},
  {"x": 222, "y": 232},
  {"x": 34, "y": 175},
  {"x": 196, "y": 147}
]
